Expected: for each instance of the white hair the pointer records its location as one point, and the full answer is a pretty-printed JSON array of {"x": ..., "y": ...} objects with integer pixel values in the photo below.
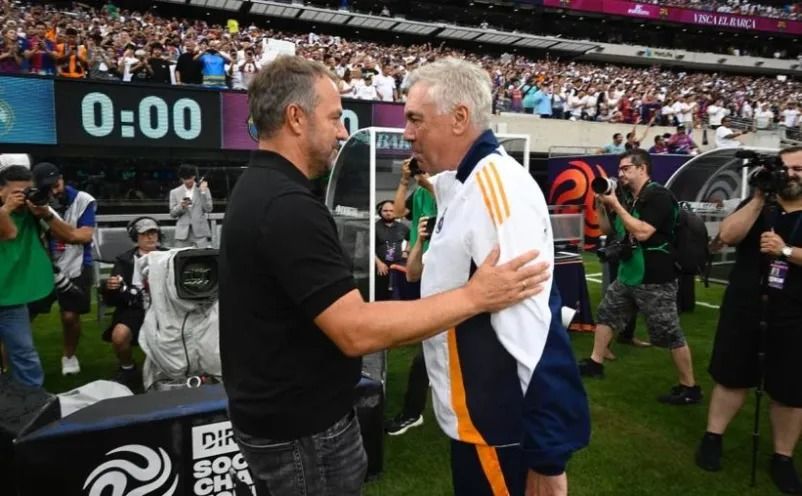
[{"x": 452, "y": 82}]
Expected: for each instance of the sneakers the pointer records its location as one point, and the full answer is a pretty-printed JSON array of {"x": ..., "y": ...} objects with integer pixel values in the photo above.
[
  {"x": 129, "y": 378},
  {"x": 591, "y": 368},
  {"x": 70, "y": 366},
  {"x": 682, "y": 395},
  {"x": 784, "y": 474},
  {"x": 708, "y": 455},
  {"x": 400, "y": 424}
]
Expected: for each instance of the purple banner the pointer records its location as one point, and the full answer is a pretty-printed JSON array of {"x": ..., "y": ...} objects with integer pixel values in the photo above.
[
  {"x": 239, "y": 133},
  {"x": 681, "y": 15},
  {"x": 570, "y": 179}
]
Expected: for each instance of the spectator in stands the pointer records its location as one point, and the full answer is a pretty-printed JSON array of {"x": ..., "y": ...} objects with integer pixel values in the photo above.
[
  {"x": 141, "y": 71},
  {"x": 367, "y": 91},
  {"x": 617, "y": 146},
  {"x": 102, "y": 63},
  {"x": 659, "y": 146},
  {"x": 764, "y": 117},
  {"x": 386, "y": 85},
  {"x": 188, "y": 69},
  {"x": 71, "y": 56},
  {"x": 292, "y": 322},
  {"x": 715, "y": 113},
  {"x": 159, "y": 67},
  {"x": 11, "y": 56},
  {"x": 726, "y": 136},
  {"x": 70, "y": 243},
  {"x": 127, "y": 61},
  {"x": 119, "y": 292},
  {"x": 40, "y": 52},
  {"x": 248, "y": 67},
  {"x": 26, "y": 275},
  {"x": 212, "y": 62},
  {"x": 790, "y": 115},
  {"x": 682, "y": 143},
  {"x": 542, "y": 101}
]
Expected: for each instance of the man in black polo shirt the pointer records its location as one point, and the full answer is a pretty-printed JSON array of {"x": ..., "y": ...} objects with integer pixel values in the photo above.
[{"x": 292, "y": 323}]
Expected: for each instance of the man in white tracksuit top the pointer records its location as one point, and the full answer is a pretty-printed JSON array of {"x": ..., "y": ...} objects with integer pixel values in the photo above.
[{"x": 505, "y": 387}]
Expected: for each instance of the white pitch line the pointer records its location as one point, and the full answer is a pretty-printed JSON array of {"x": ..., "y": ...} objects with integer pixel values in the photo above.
[
  {"x": 700, "y": 303},
  {"x": 595, "y": 274}
]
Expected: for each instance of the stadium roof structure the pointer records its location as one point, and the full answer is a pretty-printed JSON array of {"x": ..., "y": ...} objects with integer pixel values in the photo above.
[{"x": 301, "y": 12}]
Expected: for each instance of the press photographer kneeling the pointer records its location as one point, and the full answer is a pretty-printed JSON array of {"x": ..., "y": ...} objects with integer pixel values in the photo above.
[
  {"x": 767, "y": 237},
  {"x": 643, "y": 227},
  {"x": 120, "y": 292}
]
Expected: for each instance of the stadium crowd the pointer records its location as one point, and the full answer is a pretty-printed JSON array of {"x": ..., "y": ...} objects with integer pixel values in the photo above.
[
  {"x": 113, "y": 44},
  {"x": 743, "y": 7}
]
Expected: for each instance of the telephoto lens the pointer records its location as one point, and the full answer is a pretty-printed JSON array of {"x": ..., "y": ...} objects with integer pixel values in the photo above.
[{"x": 603, "y": 185}]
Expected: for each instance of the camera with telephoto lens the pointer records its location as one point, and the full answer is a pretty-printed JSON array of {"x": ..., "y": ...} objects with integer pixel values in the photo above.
[
  {"x": 770, "y": 175},
  {"x": 619, "y": 250},
  {"x": 37, "y": 196},
  {"x": 604, "y": 185}
]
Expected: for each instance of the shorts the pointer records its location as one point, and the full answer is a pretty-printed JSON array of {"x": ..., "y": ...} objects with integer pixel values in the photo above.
[
  {"x": 68, "y": 302},
  {"x": 734, "y": 361},
  {"x": 130, "y": 317},
  {"x": 657, "y": 303}
]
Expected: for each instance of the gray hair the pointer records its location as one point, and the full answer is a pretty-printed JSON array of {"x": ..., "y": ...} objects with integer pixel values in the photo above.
[
  {"x": 451, "y": 82},
  {"x": 286, "y": 81}
]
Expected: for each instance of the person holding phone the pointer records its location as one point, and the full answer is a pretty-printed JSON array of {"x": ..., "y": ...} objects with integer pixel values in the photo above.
[{"x": 189, "y": 204}]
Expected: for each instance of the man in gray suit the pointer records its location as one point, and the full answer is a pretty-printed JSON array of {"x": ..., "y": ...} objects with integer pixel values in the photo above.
[{"x": 189, "y": 203}]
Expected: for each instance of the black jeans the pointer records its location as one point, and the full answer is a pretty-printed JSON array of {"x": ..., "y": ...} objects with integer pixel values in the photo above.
[
  {"x": 417, "y": 386},
  {"x": 330, "y": 463}
]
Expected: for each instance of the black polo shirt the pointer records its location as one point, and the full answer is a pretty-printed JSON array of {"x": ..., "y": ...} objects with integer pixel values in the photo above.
[{"x": 281, "y": 265}]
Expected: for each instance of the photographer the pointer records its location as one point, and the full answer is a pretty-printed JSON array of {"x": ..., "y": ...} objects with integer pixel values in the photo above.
[
  {"x": 25, "y": 274},
  {"x": 119, "y": 292},
  {"x": 734, "y": 363},
  {"x": 70, "y": 243},
  {"x": 189, "y": 203},
  {"x": 647, "y": 278},
  {"x": 212, "y": 62}
]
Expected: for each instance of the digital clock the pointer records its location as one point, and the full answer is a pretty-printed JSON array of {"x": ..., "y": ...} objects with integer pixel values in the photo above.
[{"x": 128, "y": 115}]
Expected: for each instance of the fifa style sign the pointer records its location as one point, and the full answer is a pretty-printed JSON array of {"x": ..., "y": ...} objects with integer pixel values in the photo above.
[{"x": 26, "y": 111}]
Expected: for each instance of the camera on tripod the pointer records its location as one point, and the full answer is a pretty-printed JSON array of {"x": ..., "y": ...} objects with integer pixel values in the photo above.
[{"x": 770, "y": 175}]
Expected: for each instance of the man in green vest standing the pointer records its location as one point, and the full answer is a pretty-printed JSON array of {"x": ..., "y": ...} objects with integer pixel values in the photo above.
[
  {"x": 26, "y": 274},
  {"x": 640, "y": 215}
]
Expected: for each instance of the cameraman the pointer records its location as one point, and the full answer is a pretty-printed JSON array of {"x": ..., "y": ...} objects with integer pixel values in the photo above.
[
  {"x": 734, "y": 362},
  {"x": 119, "y": 292},
  {"x": 647, "y": 278},
  {"x": 25, "y": 274},
  {"x": 70, "y": 242}
]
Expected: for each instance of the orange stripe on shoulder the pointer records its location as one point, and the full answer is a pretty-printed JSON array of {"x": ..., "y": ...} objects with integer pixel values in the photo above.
[
  {"x": 501, "y": 191},
  {"x": 490, "y": 183},
  {"x": 466, "y": 431},
  {"x": 488, "y": 458},
  {"x": 483, "y": 188}
]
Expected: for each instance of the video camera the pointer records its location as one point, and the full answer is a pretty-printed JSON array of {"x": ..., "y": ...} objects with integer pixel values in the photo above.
[{"x": 770, "y": 176}]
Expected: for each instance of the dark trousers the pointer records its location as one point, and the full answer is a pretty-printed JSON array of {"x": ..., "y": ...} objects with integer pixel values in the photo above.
[
  {"x": 479, "y": 470},
  {"x": 417, "y": 387},
  {"x": 330, "y": 462}
]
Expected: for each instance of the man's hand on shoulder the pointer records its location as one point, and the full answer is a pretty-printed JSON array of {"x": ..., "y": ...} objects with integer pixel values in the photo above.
[{"x": 495, "y": 287}]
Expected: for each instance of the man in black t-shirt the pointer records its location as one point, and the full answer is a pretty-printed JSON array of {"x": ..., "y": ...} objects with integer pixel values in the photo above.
[
  {"x": 160, "y": 68},
  {"x": 647, "y": 279},
  {"x": 734, "y": 362},
  {"x": 292, "y": 323},
  {"x": 390, "y": 237},
  {"x": 187, "y": 69}
]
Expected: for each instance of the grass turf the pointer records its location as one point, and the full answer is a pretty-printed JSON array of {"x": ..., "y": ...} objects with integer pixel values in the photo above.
[{"x": 638, "y": 446}]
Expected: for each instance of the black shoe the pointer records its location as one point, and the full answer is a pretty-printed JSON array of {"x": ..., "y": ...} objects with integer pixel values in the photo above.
[
  {"x": 129, "y": 378},
  {"x": 784, "y": 474},
  {"x": 682, "y": 395},
  {"x": 708, "y": 455},
  {"x": 591, "y": 368},
  {"x": 401, "y": 423}
]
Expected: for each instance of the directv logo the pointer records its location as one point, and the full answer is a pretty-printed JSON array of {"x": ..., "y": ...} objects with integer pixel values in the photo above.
[{"x": 213, "y": 440}]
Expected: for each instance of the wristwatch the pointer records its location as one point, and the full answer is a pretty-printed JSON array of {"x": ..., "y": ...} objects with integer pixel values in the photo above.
[{"x": 786, "y": 252}]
